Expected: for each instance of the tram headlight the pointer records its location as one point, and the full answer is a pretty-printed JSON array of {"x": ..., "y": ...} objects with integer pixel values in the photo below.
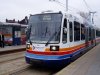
[
  {"x": 54, "y": 48},
  {"x": 28, "y": 46}
]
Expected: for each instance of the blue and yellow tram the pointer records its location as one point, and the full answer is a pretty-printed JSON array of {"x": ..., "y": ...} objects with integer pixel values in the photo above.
[{"x": 56, "y": 37}]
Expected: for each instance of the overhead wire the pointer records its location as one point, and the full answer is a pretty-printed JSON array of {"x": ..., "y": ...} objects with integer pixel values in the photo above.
[
  {"x": 86, "y": 4},
  {"x": 63, "y": 5},
  {"x": 71, "y": 8}
]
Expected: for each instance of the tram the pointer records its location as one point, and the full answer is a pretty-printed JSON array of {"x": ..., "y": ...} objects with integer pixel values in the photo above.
[
  {"x": 14, "y": 33},
  {"x": 56, "y": 37}
]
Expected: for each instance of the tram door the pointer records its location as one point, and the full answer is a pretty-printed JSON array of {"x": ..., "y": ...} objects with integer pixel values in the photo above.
[
  {"x": 87, "y": 37},
  {"x": 16, "y": 35}
]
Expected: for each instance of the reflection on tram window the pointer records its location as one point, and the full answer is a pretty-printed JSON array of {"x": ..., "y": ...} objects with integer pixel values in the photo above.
[
  {"x": 82, "y": 32},
  {"x": 64, "y": 38},
  {"x": 76, "y": 31},
  {"x": 71, "y": 31}
]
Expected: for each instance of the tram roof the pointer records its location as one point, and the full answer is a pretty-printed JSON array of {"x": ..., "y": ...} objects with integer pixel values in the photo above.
[
  {"x": 75, "y": 17},
  {"x": 72, "y": 17}
]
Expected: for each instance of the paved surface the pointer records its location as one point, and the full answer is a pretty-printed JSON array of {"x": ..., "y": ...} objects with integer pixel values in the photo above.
[
  {"x": 9, "y": 48},
  {"x": 88, "y": 64},
  {"x": 8, "y": 67},
  {"x": 13, "y": 62}
]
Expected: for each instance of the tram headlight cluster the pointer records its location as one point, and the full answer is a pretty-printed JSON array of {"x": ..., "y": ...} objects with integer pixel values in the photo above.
[{"x": 54, "y": 48}]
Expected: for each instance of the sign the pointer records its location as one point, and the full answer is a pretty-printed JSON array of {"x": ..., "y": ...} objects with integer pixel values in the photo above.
[{"x": 46, "y": 17}]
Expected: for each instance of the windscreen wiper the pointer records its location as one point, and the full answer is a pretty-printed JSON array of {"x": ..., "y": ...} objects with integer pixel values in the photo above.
[{"x": 50, "y": 38}]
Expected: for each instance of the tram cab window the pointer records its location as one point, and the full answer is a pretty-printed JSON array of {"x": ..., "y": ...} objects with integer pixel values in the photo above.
[
  {"x": 71, "y": 31},
  {"x": 64, "y": 35},
  {"x": 97, "y": 33},
  {"x": 76, "y": 31},
  {"x": 65, "y": 23},
  {"x": 90, "y": 34},
  {"x": 93, "y": 34},
  {"x": 82, "y": 32}
]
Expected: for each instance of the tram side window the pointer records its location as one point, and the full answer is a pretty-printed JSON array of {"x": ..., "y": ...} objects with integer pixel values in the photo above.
[
  {"x": 76, "y": 31},
  {"x": 71, "y": 31},
  {"x": 97, "y": 33},
  {"x": 90, "y": 34},
  {"x": 82, "y": 32},
  {"x": 65, "y": 23},
  {"x": 64, "y": 38},
  {"x": 93, "y": 34}
]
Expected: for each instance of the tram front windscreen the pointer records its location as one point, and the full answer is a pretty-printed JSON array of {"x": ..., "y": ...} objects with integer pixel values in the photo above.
[{"x": 44, "y": 27}]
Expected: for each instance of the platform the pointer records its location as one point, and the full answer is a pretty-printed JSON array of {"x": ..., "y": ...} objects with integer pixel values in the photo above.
[
  {"x": 88, "y": 64},
  {"x": 10, "y": 48}
]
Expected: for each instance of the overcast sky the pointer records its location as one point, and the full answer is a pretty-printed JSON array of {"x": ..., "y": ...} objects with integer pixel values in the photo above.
[{"x": 18, "y": 9}]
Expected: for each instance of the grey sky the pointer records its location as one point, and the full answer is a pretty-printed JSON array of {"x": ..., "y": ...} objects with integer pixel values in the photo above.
[{"x": 18, "y": 9}]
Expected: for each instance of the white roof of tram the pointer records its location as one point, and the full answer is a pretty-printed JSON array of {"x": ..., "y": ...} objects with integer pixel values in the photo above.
[
  {"x": 70, "y": 15},
  {"x": 76, "y": 17}
]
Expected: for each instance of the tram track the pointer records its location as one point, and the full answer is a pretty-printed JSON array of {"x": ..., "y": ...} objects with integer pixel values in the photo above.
[
  {"x": 19, "y": 67},
  {"x": 3, "y": 52},
  {"x": 11, "y": 62},
  {"x": 34, "y": 70},
  {"x": 11, "y": 56},
  {"x": 14, "y": 64},
  {"x": 11, "y": 66}
]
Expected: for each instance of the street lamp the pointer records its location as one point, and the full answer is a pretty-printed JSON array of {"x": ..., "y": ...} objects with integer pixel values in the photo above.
[{"x": 61, "y": 3}]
